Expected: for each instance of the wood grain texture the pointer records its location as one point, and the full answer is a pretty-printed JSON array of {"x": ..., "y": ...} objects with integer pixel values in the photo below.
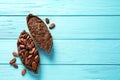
[
  {"x": 86, "y": 39},
  {"x": 71, "y": 52},
  {"x": 79, "y": 27},
  {"x": 60, "y": 7},
  {"x": 66, "y": 72}
]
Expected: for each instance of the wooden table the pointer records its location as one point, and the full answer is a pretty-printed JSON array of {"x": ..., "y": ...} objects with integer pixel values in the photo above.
[{"x": 86, "y": 42}]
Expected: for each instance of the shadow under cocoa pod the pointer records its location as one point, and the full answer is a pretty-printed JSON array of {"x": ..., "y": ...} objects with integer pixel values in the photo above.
[
  {"x": 49, "y": 55},
  {"x": 37, "y": 76}
]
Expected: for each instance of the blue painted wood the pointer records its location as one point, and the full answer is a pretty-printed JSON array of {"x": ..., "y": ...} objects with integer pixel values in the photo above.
[
  {"x": 74, "y": 27},
  {"x": 56, "y": 72},
  {"x": 86, "y": 39},
  {"x": 71, "y": 52},
  {"x": 60, "y": 7}
]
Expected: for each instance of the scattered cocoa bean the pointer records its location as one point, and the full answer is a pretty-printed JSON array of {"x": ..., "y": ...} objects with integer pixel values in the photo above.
[
  {"x": 12, "y": 61},
  {"x": 52, "y": 26},
  {"x": 23, "y": 72},
  {"x": 15, "y": 54}
]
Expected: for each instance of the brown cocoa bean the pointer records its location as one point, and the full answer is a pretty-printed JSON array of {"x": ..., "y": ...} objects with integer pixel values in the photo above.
[
  {"x": 34, "y": 66},
  {"x": 47, "y": 20},
  {"x": 22, "y": 46},
  {"x": 52, "y": 26},
  {"x": 23, "y": 72},
  {"x": 12, "y": 61},
  {"x": 15, "y": 54},
  {"x": 29, "y": 56},
  {"x": 36, "y": 58},
  {"x": 32, "y": 51},
  {"x": 15, "y": 65}
]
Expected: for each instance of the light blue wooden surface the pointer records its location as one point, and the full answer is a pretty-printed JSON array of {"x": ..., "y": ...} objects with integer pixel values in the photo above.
[
  {"x": 86, "y": 39},
  {"x": 60, "y": 7},
  {"x": 68, "y": 27}
]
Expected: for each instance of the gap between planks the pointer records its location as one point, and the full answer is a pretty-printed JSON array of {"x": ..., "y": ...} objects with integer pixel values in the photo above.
[
  {"x": 70, "y": 64},
  {"x": 59, "y": 15},
  {"x": 70, "y": 39}
]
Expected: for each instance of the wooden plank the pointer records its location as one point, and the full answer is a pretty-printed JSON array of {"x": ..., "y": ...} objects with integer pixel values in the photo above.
[
  {"x": 60, "y": 7},
  {"x": 56, "y": 72},
  {"x": 71, "y": 52},
  {"x": 79, "y": 27}
]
